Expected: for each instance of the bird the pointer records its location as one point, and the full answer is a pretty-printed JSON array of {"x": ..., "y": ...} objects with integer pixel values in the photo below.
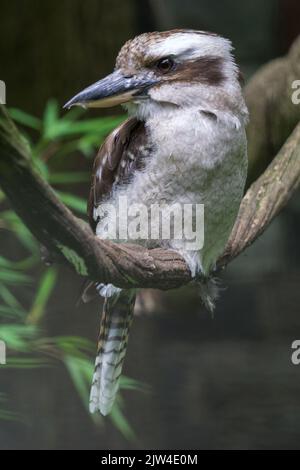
[{"x": 184, "y": 142}]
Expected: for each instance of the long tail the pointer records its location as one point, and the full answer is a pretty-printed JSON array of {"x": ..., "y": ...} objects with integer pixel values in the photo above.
[{"x": 114, "y": 330}]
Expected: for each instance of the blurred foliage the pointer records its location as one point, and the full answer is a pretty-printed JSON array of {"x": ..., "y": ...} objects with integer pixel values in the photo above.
[
  {"x": 21, "y": 327},
  {"x": 55, "y": 137}
]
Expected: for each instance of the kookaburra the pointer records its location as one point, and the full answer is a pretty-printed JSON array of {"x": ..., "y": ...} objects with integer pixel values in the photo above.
[{"x": 184, "y": 142}]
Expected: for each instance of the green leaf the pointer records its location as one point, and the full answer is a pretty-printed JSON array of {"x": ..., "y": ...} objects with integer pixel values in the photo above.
[
  {"x": 73, "y": 114},
  {"x": 88, "y": 143},
  {"x": 69, "y": 178},
  {"x": 18, "y": 337},
  {"x": 74, "y": 202},
  {"x": 121, "y": 423},
  {"x": 42, "y": 295},
  {"x": 50, "y": 119},
  {"x": 27, "y": 263},
  {"x": 6, "y": 263},
  {"x": 8, "y": 297},
  {"x": 24, "y": 264},
  {"x": 2, "y": 196},
  {"x": 64, "y": 129},
  {"x": 7, "y": 311},
  {"x": 67, "y": 148},
  {"x": 96, "y": 126},
  {"x": 20, "y": 231},
  {"x": 25, "y": 363},
  {"x": 79, "y": 369},
  {"x": 126, "y": 383},
  {"x": 6, "y": 415},
  {"x": 74, "y": 345},
  {"x": 14, "y": 277},
  {"x": 21, "y": 117}
]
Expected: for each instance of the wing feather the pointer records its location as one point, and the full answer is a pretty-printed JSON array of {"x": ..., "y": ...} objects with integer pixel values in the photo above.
[{"x": 121, "y": 154}]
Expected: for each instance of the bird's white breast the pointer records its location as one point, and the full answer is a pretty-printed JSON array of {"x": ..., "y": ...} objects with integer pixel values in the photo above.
[{"x": 198, "y": 158}]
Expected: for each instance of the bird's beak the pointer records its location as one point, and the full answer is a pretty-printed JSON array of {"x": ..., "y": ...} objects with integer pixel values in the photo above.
[{"x": 112, "y": 90}]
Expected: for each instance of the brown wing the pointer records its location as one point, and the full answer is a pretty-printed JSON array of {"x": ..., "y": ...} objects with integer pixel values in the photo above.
[{"x": 122, "y": 153}]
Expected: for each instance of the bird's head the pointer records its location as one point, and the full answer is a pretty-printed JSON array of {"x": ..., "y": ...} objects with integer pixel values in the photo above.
[{"x": 164, "y": 69}]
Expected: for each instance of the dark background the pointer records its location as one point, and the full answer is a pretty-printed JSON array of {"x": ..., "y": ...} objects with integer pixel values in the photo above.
[{"x": 222, "y": 383}]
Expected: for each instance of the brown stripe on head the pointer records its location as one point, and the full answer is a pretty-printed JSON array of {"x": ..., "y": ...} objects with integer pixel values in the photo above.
[
  {"x": 207, "y": 70},
  {"x": 131, "y": 56}
]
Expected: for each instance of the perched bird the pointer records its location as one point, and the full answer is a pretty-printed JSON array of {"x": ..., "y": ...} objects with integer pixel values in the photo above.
[{"x": 184, "y": 142}]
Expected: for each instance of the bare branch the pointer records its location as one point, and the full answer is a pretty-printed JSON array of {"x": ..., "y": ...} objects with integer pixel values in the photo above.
[
  {"x": 273, "y": 115},
  {"x": 266, "y": 197}
]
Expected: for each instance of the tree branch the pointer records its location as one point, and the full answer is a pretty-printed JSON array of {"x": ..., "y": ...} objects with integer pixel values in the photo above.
[
  {"x": 273, "y": 115},
  {"x": 127, "y": 265},
  {"x": 265, "y": 198}
]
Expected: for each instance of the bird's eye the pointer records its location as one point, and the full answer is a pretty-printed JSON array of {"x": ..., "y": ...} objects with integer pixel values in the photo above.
[{"x": 165, "y": 65}]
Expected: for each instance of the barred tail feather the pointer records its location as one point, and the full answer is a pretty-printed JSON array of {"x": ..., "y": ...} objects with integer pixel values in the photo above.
[{"x": 114, "y": 330}]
